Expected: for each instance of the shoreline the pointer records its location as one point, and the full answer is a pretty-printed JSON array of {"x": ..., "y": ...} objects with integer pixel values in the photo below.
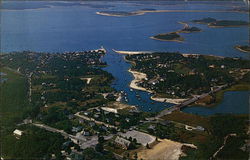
[
  {"x": 174, "y": 40},
  {"x": 138, "y": 76},
  {"x": 141, "y": 12},
  {"x": 119, "y": 15},
  {"x": 168, "y": 100},
  {"x": 152, "y": 52},
  {"x": 213, "y": 26},
  {"x": 210, "y": 25},
  {"x": 133, "y": 52},
  {"x": 238, "y": 48},
  {"x": 193, "y": 54}
]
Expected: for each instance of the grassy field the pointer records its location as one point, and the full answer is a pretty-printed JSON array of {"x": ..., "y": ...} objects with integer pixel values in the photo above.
[
  {"x": 237, "y": 87},
  {"x": 188, "y": 119},
  {"x": 181, "y": 69},
  {"x": 13, "y": 98}
]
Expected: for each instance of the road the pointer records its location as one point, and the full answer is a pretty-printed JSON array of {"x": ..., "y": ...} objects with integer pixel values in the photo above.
[
  {"x": 187, "y": 102},
  {"x": 51, "y": 129},
  {"x": 93, "y": 120},
  {"x": 77, "y": 140},
  {"x": 83, "y": 141},
  {"x": 224, "y": 143},
  {"x": 30, "y": 86}
]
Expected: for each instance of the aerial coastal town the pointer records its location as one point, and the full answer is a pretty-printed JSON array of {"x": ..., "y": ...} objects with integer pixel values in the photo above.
[
  {"x": 173, "y": 93},
  {"x": 75, "y": 108}
]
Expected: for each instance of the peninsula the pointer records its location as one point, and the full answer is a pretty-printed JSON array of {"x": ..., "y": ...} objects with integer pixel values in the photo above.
[{"x": 171, "y": 76}]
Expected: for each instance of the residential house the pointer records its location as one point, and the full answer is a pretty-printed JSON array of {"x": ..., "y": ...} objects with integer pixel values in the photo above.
[
  {"x": 123, "y": 143},
  {"x": 17, "y": 133}
]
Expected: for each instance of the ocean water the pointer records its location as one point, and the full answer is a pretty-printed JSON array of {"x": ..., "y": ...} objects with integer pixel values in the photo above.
[{"x": 74, "y": 26}]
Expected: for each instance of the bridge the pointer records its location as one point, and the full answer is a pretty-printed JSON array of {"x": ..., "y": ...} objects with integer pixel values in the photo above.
[{"x": 187, "y": 102}]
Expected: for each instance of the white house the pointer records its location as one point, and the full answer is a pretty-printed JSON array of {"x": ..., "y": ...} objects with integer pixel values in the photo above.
[{"x": 18, "y": 133}]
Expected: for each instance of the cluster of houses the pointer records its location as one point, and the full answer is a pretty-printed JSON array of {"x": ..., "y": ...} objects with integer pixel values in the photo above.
[{"x": 41, "y": 60}]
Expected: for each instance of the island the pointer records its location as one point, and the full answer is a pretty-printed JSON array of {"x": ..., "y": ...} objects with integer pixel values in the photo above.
[
  {"x": 243, "y": 48},
  {"x": 188, "y": 29},
  {"x": 242, "y": 9},
  {"x": 175, "y": 77},
  {"x": 205, "y": 20},
  {"x": 211, "y": 22},
  {"x": 148, "y": 9},
  {"x": 174, "y": 36}
]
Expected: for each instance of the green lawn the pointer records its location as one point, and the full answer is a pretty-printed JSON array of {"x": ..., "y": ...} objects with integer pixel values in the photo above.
[
  {"x": 13, "y": 98},
  {"x": 181, "y": 69}
]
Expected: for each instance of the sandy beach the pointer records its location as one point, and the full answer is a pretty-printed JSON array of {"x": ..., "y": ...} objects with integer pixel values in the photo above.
[
  {"x": 140, "y": 12},
  {"x": 119, "y": 15},
  {"x": 132, "y": 52},
  {"x": 238, "y": 48},
  {"x": 119, "y": 105},
  {"x": 138, "y": 77},
  {"x": 165, "y": 150},
  {"x": 168, "y": 100}
]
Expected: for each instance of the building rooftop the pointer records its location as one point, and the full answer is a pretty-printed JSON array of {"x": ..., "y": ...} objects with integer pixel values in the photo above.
[{"x": 122, "y": 141}]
